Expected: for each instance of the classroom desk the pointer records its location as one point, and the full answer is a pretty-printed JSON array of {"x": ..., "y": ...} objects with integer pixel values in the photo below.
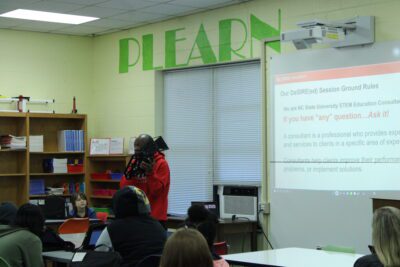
[
  {"x": 59, "y": 256},
  {"x": 293, "y": 257},
  {"x": 225, "y": 227},
  {"x": 54, "y": 224}
]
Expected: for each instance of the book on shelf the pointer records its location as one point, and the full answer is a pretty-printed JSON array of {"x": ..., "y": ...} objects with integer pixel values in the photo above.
[
  {"x": 36, "y": 143},
  {"x": 54, "y": 165},
  {"x": 71, "y": 140},
  {"x": 13, "y": 142},
  {"x": 116, "y": 145}
]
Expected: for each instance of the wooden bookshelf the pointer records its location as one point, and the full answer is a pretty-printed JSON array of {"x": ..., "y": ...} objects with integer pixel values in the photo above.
[
  {"x": 14, "y": 163},
  {"x": 102, "y": 164},
  {"x": 18, "y": 166}
]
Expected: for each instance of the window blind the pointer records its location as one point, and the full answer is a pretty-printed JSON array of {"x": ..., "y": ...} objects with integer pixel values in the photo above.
[{"x": 212, "y": 123}]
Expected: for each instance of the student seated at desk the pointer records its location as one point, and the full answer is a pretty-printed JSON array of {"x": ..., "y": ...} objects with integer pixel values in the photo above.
[
  {"x": 20, "y": 245},
  {"x": 205, "y": 222},
  {"x": 186, "y": 247},
  {"x": 133, "y": 233},
  {"x": 385, "y": 239},
  {"x": 80, "y": 207}
]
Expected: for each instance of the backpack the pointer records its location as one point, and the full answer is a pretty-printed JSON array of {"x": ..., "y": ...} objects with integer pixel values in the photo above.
[{"x": 99, "y": 259}]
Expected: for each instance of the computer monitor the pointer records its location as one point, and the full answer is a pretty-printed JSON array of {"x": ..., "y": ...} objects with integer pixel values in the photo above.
[
  {"x": 211, "y": 206},
  {"x": 92, "y": 236}
]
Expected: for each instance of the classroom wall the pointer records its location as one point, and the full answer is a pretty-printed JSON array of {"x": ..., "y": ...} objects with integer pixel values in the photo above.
[
  {"x": 47, "y": 66},
  {"x": 122, "y": 102}
]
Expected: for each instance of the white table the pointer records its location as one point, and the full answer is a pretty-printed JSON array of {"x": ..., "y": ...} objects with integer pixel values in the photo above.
[
  {"x": 293, "y": 257},
  {"x": 58, "y": 256},
  {"x": 76, "y": 239}
]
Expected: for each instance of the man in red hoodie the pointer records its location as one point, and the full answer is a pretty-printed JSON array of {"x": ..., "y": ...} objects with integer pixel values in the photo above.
[{"x": 153, "y": 176}]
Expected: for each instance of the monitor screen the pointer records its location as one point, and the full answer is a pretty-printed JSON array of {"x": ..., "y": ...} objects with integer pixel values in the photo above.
[
  {"x": 211, "y": 206},
  {"x": 94, "y": 237}
]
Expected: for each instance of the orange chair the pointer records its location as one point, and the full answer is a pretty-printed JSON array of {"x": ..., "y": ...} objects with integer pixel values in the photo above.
[
  {"x": 74, "y": 226},
  {"x": 221, "y": 248},
  {"x": 102, "y": 216}
]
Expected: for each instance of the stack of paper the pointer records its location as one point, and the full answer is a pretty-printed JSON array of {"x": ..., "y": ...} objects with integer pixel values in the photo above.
[
  {"x": 60, "y": 165},
  {"x": 54, "y": 190},
  {"x": 13, "y": 142},
  {"x": 36, "y": 143}
]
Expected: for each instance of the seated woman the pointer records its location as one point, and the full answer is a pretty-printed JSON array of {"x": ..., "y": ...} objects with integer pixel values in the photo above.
[
  {"x": 385, "y": 238},
  {"x": 80, "y": 207},
  {"x": 206, "y": 223},
  {"x": 20, "y": 245},
  {"x": 386, "y": 235},
  {"x": 186, "y": 247}
]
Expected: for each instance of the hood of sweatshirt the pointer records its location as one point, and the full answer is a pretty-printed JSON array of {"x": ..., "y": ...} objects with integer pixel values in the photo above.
[{"x": 7, "y": 229}]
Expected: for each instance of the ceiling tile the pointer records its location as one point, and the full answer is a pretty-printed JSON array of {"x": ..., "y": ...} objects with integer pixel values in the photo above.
[
  {"x": 81, "y": 2},
  {"x": 80, "y": 30},
  {"x": 9, "y": 22},
  {"x": 39, "y": 26},
  {"x": 136, "y": 16},
  {"x": 51, "y": 6},
  {"x": 9, "y": 5},
  {"x": 159, "y": 1},
  {"x": 202, "y": 3},
  {"x": 98, "y": 12},
  {"x": 168, "y": 9},
  {"x": 127, "y": 4},
  {"x": 109, "y": 23}
]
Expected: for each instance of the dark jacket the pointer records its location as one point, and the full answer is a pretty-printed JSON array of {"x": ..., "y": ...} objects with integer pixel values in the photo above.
[
  {"x": 134, "y": 233},
  {"x": 368, "y": 261}
]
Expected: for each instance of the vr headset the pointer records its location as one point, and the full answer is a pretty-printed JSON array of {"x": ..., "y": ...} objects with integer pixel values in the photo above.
[{"x": 133, "y": 168}]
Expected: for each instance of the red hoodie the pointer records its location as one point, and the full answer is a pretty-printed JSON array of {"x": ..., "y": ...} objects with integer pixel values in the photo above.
[{"x": 155, "y": 185}]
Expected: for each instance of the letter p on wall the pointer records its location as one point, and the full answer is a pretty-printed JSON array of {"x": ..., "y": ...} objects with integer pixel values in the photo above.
[{"x": 127, "y": 49}]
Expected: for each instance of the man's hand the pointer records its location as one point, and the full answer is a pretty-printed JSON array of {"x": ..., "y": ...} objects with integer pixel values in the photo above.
[{"x": 147, "y": 166}]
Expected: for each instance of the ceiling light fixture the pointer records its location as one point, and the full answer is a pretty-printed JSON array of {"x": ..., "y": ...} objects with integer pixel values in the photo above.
[{"x": 47, "y": 16}]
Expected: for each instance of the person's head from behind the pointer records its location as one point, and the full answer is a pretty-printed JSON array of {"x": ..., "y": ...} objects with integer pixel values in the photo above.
[
  {"x": 198, "y": 214},
  {"x": 31, "y": 217},
  {"x": 144, "y": 143},
  {"x": 386, "y": 235},
  {"x": 186, "y": 247},
  {"x": 8, "y": 211},
  {"x": 79, "y": 201},
  {"x": 130, "y": 201}
]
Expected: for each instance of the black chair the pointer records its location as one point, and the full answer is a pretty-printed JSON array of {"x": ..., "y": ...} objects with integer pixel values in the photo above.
[{"x": 149, "y": 261}]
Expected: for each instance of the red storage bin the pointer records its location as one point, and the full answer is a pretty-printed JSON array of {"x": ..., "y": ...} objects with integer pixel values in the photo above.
[
  {"x": 75, "y": 168},
  {"x": 100, "y": 176},
  {"x": 111, "y": 192},
  {"x": 101, "y": 192}
]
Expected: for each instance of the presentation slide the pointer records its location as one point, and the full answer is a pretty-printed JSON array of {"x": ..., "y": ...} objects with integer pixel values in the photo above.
[{"x": 337, "y": 129}]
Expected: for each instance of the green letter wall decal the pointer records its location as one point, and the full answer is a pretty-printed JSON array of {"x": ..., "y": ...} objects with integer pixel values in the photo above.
[
  {"x": 261, "y": 30},
  {"x": 148, "y": 58},
  {"x": 170, "y": 48},
  {"x": 206, "y": 52},
  {"x": 124, "y": 54},
  {"x": 225, "y": 39}
]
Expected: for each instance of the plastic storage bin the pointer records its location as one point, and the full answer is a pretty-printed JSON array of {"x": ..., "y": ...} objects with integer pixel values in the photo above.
[
  {"x": 100, "y": 176},
  {"x": 116, "y": 176},
  {"x": 75, "y": 168}
]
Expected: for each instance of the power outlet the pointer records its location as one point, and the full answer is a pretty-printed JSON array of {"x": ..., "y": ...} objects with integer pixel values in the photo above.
[{"x": 264, "y": 207}]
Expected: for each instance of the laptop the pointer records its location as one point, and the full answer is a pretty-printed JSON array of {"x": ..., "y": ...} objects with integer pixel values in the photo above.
[{"x": 92, "y": 235}]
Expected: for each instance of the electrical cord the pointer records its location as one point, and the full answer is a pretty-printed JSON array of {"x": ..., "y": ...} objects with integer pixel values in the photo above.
[{"x": 262, "y": 229}]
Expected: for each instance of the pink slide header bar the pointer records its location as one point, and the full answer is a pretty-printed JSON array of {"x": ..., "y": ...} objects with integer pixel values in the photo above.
[{"x": 329, "y": 74}]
